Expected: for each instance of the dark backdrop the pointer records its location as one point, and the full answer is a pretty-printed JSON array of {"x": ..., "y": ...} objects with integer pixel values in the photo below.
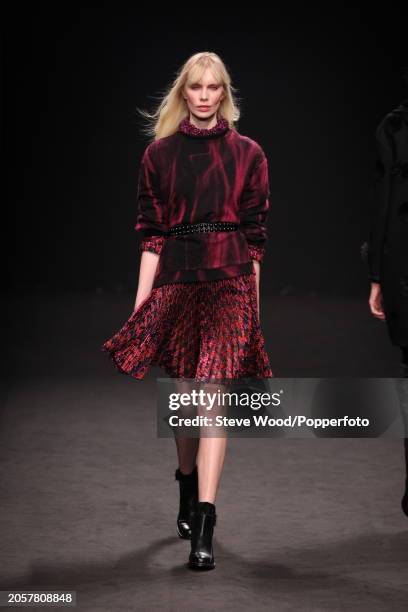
[{"x": 313, "y": 87}]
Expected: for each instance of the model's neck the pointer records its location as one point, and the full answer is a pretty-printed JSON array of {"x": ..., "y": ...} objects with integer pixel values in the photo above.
[
  {"x": 204, "y": 124},
  {"x": 188, "y": 128}
]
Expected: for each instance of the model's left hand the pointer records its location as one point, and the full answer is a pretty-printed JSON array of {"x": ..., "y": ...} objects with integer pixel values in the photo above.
[{"x": 376, "y": 302}]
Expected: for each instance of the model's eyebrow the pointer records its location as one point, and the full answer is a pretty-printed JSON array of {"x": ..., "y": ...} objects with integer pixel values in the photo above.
[{"x": 209, "y": 84}]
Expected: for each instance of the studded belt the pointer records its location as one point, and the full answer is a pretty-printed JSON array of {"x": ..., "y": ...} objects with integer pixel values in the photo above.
[{"x": 215, "y": 226}]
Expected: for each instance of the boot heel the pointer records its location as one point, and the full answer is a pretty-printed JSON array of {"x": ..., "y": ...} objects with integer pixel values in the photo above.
[
  {"x": 202, "y": 529},
  {"x": 188, "y": 484}
]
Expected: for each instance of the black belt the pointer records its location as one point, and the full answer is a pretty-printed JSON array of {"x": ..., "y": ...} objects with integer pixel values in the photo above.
[{"x": 215, "y": 226}]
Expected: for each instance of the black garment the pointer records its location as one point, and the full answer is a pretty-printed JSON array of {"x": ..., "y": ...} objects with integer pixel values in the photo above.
[
  {"x": 388, "y": 244},
  {"x": 403, "y": 393}
]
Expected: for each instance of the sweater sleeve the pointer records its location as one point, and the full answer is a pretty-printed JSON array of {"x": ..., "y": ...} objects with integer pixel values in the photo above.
[
  {"x": 254, "y": 207},
  {"x": 151, "y": 217},
  {"x": 384, "y": 154}
]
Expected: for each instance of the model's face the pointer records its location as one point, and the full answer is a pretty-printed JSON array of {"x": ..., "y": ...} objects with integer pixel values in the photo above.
[{"x": 204, "y": 97}]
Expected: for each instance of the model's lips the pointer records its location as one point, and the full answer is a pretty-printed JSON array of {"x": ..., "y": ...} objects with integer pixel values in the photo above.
[{"x": 203, "y": 107}]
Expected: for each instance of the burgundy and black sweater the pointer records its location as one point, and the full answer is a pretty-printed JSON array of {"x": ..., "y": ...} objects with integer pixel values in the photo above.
[{"x": 203, "y": 175}]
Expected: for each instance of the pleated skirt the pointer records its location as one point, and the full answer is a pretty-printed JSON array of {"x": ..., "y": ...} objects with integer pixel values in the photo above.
[{"x": 205, "y": 330}]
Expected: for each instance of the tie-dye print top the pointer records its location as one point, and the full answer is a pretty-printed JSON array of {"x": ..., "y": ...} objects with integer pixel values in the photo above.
[{"x": 203, "y": 175}]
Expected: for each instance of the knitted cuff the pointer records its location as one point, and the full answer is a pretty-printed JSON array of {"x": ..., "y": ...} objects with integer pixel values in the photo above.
[
  {"x": 256, "y": 252},
  {"x": 154, "y": 244}
]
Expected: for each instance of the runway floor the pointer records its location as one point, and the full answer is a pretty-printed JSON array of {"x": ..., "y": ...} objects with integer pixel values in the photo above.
[{"x": 89, "y": 499}]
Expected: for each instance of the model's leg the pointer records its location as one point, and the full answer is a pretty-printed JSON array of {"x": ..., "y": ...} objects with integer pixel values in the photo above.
[
  {"x": 186, "y": 474},
  {"x": 210, "y": 462},
  {"x": 186, "y": 447},
  {"x": 212, "y": 448}
]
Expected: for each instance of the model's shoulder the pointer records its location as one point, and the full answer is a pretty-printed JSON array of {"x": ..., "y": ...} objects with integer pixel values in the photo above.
[
  {"x": 248, "y": 144},
  {"x": 157, "y": 147},
  {"x": 158, "y": 143}
]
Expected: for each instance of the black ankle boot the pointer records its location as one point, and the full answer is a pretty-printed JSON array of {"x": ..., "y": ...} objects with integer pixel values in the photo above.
[
  {"x": 188, "y": 499},
  {"x": 202, "y": 528}
]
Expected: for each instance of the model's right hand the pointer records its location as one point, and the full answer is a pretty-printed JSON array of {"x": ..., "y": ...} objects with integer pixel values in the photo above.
[
  {"x": 139, "y": 300},
  {"x": 376, "y": 302},
  {"x": 148, "y": 268}
]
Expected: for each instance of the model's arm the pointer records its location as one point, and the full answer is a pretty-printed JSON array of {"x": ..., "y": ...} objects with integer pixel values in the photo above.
[
  {"x": 148, "y": 265},
  {"x": 379, "y": 218},
  {"x": 151, "y": 223},
  {"x": 254, "y": 208},
  {"x": 147, "y": 272}
]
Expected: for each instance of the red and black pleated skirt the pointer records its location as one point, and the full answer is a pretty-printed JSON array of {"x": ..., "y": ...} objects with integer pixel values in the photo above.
[{"x": 205, "y": 330}]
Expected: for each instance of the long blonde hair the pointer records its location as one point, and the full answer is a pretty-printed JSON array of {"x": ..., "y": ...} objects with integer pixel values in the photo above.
[{"x": 173, "y": 108}]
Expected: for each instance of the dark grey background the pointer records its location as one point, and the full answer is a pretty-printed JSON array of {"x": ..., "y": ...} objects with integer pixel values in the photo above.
[{"x": 313, "y": 86}]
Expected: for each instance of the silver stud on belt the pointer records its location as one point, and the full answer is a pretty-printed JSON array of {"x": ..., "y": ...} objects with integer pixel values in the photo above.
[{"x": 215, "y": 226}]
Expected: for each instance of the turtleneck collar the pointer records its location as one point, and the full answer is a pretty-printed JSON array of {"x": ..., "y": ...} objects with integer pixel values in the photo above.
[{"x": 188, "y": 128}]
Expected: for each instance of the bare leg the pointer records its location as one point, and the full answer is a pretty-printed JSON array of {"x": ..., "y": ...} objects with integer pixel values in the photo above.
[
  {"x": 187, "y": 448},
  {"x": 211, "y": 454},
  {"x": 210, "y": 461},
  {"x": 187, "y": 452}
]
